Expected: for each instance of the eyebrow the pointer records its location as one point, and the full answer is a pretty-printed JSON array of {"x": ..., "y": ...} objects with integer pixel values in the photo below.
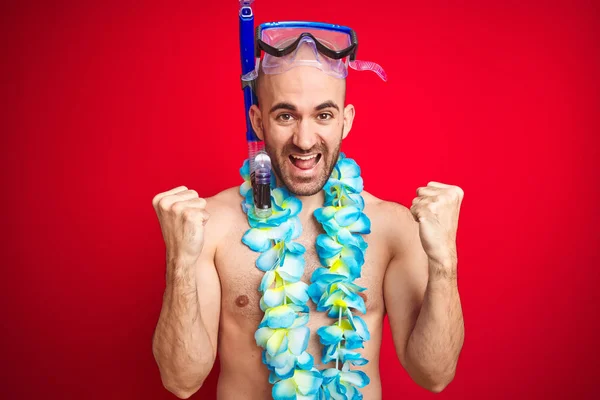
[
  {"x": 327, "y": 104},
  {"x": 291, "y": 107},
  {"x": 283, "y": 106}
]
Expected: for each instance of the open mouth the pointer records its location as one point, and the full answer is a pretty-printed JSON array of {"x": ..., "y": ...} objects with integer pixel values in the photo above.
[{"x": 305, "y": 162}]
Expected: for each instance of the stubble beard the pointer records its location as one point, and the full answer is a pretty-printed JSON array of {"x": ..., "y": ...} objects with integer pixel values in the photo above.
[{"x": 304, "y": 186}]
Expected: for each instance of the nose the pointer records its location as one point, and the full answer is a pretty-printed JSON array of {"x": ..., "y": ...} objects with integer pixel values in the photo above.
[{"x": 305, "y": 137}]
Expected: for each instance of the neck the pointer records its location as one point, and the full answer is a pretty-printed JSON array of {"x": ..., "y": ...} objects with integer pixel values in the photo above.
[{"x": 311, "y": 203}]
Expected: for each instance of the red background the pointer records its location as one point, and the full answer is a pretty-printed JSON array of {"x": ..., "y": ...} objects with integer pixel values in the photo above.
[{"x": 109, "y": 103}]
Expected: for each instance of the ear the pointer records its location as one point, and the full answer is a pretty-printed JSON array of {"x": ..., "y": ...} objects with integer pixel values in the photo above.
[
  {"x": 348, "y": 119},
  {"x": 256, "y": 120}
]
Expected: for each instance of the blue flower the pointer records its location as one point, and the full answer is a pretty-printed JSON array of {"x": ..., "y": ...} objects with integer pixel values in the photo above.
[
  {"x": 283, "y": 316},
  {"x": 341, "y": 385},
  {"x": 285, "y": 349},
  {"x": 346, "y": 329},
  {"x": 348, "y": 218},
  {"x": 263, "y": 238},
  {"x": 245, "y": 173},
  {"x": 283, "y": 204},
  {"x": 346, "y": 175},
  {"x": 282, "y": 365},
  {"x": 302, "y": 385}
]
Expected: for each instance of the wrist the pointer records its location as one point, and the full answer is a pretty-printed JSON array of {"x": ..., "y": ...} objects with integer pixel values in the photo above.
[
  {"x": 446, "y": 270},
  {"x": 181, "y": 261},
  {"x": 181, "y": 267}
]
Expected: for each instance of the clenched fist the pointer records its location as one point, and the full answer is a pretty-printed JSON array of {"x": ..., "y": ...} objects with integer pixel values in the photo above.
[
  {"x": 182, "y": 217},
  {"x": 436, "y": 208}
]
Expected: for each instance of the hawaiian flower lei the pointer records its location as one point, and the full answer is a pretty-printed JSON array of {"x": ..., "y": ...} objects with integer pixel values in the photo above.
[{"x": 283, "y": 333}]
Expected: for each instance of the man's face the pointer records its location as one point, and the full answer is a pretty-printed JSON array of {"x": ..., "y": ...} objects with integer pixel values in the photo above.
[{"x": 302, "y": 120}]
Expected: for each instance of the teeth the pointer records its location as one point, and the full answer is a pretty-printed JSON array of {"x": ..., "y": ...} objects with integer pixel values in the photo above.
[{"x": 304, "y": 158}]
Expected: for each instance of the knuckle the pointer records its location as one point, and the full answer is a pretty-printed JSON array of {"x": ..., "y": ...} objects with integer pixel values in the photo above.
[
  {"x": 189, "y": 214},
  {"x": 177, "y": 207},
  {"x": 163, "y": 203},
  {"x": 452, "y": 193},
  {"x": 205, "y": 216},
  {"x": 155, "y": 200}
]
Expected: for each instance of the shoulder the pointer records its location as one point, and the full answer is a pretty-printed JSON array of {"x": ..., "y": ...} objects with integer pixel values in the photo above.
[
  {"x": 389, "y": 211},
  {"x": 223, "y": 208},
  {"x": 392, "y": 221},
  {"x": 225, "y": 201},
  {"x": 225, "y": 205}
]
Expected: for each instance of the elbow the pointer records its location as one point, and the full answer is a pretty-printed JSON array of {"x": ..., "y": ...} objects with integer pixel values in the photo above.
[
  {"x": 182, "y": 379},
  {"x": 181, "y": 392},
  {"x": 181, "y": 385},
  {"x": 183, "y": 389},
  {"x": 180, "y": 388},
  {"x": 437, "y": 388},
  {"x": 433, "y": 380},
  {"x": 434, "y": 377},
  {"x": 438, "y": 385}
]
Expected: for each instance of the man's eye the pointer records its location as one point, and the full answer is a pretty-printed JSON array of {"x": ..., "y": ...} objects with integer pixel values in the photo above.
[
  {"x": 284, "y": 117},
  {"x": 325, "y": 116}
]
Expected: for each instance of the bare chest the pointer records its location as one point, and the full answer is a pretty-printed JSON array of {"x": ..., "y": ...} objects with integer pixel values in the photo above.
[{"x": 240, "y": 278}]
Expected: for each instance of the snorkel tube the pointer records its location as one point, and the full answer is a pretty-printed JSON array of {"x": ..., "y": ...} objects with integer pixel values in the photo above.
[{"x": 260, "y": 163}]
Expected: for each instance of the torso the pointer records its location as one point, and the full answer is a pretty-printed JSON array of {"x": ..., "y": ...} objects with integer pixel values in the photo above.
[{"x": 243, "y": 375}]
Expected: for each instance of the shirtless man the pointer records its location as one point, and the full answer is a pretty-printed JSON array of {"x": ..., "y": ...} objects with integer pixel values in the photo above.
[{"x": 211, "y": 302}]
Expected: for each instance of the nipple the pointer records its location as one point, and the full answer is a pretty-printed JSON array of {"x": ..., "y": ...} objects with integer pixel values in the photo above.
[{"x": 242, "y": 301}]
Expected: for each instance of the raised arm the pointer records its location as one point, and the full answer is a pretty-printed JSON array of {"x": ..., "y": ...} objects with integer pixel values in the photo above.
[
  {"x": 185, "y": 338},
  {"x": 420, "y": 287}
]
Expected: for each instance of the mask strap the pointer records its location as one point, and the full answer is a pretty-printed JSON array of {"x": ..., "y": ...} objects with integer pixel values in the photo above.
[
  {"x": 360, "y": 65},
  {"x": 251, "y": 76}
]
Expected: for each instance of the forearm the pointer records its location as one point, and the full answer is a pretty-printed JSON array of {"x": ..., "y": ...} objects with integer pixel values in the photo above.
[
  {"x": 181, "y": 344},
  {"x": 437, "y": 338}
]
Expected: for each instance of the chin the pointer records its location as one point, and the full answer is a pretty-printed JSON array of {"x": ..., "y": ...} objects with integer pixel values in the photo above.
[
  {"x": 305, "y": 177},
  {"x": 305, "y": 182},
  {"x": 308, "y": 189}
]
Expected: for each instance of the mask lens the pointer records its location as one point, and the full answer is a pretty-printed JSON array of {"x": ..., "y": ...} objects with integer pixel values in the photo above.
[{"x": 282, "y": 37}]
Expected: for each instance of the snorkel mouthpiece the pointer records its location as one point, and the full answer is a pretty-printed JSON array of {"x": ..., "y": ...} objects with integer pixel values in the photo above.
[
  {"x": 262, "y": 185},
  {"x": 246, "y": 9}
]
